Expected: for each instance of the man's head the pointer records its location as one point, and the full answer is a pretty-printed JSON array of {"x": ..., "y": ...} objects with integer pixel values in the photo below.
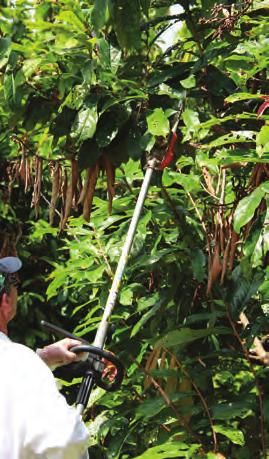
[{"x": 8, "y": 289}]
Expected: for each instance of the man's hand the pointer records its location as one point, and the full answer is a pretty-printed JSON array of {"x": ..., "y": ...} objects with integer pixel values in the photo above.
[{"x": 59, "y": 353}]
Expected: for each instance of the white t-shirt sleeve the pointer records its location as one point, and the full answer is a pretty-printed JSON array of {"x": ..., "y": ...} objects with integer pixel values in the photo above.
[{"x": 48, "y": 426}]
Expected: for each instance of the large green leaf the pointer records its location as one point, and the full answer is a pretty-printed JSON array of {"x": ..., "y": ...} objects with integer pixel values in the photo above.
[
  {"x": 150, "y": 407},
  {"x": 233, "y": 137},
  {"x": 146, "y": 301},
  {"x": 95, "y": 426},
  {"x": 110, "y": 123},
  {"x": 188, "y": 82},
  {"x": 141, "y": 234},
  {"x": 158, "y": 123},
  {"x": 191, "y": 121},
  {"x": 169, "y": 450},
  {"x": 84, "y": 126},
  {"x": 145, "y": 317},
  {"x": 126, "y": 22},
  {"x": 189, "y": 182},
  {"x": 153, "y": 406},
  {"x": 188, "y": 335},
  {"x": 100, "y": 14},
  {"x": 244, "y": 288},
  {"x": 11, "y": 90},
  {"x": 235, "y": 435},
  {"x": 246, "y": 208},
  {"x": 231, "y": 410},
  {"x": 126, "y": 296},
  {"x": 77, "y": 95},
  {"x": 241, "y": 96}
]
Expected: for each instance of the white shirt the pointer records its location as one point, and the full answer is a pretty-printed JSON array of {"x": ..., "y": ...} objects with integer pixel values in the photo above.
[{"x": 35, "y": 420}]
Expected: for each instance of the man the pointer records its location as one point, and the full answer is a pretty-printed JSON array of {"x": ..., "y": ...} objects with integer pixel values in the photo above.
[{"x": 35, "y": 420}]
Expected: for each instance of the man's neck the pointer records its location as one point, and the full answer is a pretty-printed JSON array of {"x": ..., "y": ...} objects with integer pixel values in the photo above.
[
  {"x": 3, "y": 323},
  {"x": 3, "y": 330}
]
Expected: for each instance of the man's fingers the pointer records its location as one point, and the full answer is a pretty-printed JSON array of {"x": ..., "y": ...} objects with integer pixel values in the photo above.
[{"x": 68, "y": 343}]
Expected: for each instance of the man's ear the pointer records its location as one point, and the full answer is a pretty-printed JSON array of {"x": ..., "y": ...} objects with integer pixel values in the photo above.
[
  {"x": 5, "y": 305},
  {"x": 4, "y": 300}
]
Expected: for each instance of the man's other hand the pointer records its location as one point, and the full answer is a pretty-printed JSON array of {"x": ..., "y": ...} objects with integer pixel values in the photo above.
[{"x": 59, "y": 353}]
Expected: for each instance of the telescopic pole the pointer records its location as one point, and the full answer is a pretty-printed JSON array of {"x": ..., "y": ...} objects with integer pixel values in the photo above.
[
  {"x": 101, "y": 333},
  {"x": 100, "y": 338},
  {"x": 103, "y": 326},
  {"x": 152, "y": 164}
]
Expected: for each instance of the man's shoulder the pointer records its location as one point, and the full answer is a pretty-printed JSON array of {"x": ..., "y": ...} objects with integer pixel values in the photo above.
[
  {"x": 20, "y": 355},
  {"x": 18, "y": 348},
  {"x": 12, "y": 346}
]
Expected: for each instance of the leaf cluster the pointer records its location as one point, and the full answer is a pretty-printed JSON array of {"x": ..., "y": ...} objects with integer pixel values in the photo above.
[{"x": 84, "y": 81}]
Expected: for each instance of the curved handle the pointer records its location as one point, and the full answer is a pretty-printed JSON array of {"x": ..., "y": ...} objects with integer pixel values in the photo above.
[{"x": 110, "y": 387}]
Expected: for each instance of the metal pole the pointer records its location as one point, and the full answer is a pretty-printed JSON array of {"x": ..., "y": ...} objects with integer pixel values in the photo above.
[
  {"x": 84, "y": 392},
  {"x": 103, "y": 326},
  {"x": 101, "y": 333}
]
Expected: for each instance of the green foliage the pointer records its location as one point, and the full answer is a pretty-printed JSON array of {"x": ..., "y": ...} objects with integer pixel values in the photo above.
[
  {"x": 84, "y": 126},
  {"x": 158, "y": 123},
  {"x": 149, "y": 316},
  {"x": 169, "y": 449},
  {"x": 126, "y": 22},
  {"x": 87, "y": 79},
  {"x": 247, "y": 206}
]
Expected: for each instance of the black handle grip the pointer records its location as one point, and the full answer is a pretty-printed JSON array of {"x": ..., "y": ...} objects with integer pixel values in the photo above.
[
  {"x": 110, "y": 387},
  {"x": 61, "y": 331}
]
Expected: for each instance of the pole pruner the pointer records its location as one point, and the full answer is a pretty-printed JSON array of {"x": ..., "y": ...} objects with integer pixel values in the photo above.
[{"x": 93, "y": 367}]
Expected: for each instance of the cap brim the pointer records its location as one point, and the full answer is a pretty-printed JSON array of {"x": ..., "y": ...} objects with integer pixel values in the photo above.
[{"x": 10, "y": 265}]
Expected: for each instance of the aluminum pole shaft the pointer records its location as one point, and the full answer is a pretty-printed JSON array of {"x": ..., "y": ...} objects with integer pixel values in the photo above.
[{"x": 103, "y": 326}]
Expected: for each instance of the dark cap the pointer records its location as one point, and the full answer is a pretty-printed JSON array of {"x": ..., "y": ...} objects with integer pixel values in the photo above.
[{"x": 9, "y": 265}]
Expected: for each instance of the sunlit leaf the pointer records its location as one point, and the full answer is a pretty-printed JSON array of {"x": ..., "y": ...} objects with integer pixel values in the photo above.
[
  {"x": 158, "y": 123},
  {"x": 262, "y": 141},
  {"x": 71, "y": 18},
  {"x": 241, "y": 96},
  {"x": 235, "y": 435},
  {"x": 246, "y": 208},
  {"x": 188, "y": 82}
]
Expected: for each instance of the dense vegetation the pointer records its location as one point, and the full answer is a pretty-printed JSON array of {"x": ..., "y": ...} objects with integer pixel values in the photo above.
[{"x": 89, "y": 90}]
